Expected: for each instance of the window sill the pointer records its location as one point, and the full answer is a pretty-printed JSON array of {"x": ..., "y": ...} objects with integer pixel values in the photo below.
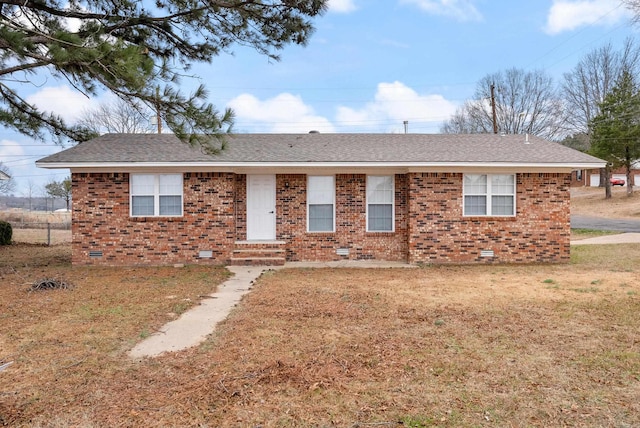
[
  {"x": 490, "y": 218},
  {"x": 143, "y": 219}
]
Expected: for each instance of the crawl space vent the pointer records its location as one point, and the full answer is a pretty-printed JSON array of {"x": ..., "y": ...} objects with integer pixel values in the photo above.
[
  {"x": 486, "y": 253},
  {"x": 205, "y": 254},
  {"x": 95, "y": 254},
  {"x": 342, "y": 251}
]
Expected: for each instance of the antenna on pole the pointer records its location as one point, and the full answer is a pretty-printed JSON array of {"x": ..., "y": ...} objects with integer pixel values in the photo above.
[{"x": 493, "y": 109}]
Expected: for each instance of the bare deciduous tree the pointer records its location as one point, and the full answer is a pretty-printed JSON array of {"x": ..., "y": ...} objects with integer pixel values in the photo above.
[
  {"x": 119, "y": 116},
  {"x": 525, "y": 102},
  {"x": 29, "y": 193},
  {"x": 586, "y": 86},
  {"x": 8, "y": 185}
]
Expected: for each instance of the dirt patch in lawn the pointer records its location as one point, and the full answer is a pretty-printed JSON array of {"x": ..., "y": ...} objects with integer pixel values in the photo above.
[{"x": 552, "y": 345}]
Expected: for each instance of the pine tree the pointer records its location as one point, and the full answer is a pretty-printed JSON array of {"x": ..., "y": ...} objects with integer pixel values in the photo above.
[
  {"x": 137, "y": 50},
  {"x": 616, "y": 130}
]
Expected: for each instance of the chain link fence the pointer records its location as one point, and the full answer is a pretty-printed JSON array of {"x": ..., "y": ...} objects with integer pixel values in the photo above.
[
  {"x": 39, "y": 227},
  {"x": 41, "y": 233}
]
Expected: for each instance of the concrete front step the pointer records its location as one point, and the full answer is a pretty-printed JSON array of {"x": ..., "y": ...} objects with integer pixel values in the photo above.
[
  {"x": 257, "y": 261},
  {"x": 259, "y": 253}
]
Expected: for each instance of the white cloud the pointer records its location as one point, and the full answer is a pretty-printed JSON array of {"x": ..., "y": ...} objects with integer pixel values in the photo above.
[
  {"x": 461, "y": 10},
  {"x": 342, "y": 6},
  {"x": 566, "y": 15},
  {"x": 285, "y": 113},
  {"x": 20, "y": 153},
  {"x": 62, "y": 100},
  {"x": 393, "y": 104},
  {"x": 9, "y": 150}
]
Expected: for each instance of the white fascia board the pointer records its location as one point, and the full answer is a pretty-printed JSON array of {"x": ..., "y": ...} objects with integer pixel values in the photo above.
[{"x": 302, "y": 167}]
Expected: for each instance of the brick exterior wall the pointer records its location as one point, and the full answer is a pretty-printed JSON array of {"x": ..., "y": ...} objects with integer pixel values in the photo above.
[
  {"x": 429, "y": 226},
  {"x": 438, "y": 233},
  {"x": 101, "y": 222},
  {"x": 350, "y": 232}
]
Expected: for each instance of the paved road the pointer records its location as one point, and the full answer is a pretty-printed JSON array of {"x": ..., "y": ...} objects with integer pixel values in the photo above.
[{"x": 597, "y": 223}]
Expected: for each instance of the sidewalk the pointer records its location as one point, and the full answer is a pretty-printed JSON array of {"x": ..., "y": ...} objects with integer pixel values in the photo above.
[
  {"x": 621, "y": 238},
  {"x": 198, "y": 322}
]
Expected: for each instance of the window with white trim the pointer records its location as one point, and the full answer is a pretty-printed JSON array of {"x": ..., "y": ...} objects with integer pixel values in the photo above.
[
  {"x": 321, "y": 203},
  {"x": 380, "y": 203},
  {"x": 155, "y": 195},
  {"x": 489, "y": 195}
]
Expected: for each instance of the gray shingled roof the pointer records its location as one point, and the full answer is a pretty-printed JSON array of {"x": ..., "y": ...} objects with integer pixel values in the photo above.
[{"x": 324, "y": 148}]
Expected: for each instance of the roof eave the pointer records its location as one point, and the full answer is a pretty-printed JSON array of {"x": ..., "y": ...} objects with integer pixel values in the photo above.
[{"x": 244, "y": 167}]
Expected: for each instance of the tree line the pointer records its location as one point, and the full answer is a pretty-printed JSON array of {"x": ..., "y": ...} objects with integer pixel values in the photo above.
[
  {"x": 595, "y": 107},
  {"x": 140, "y": 52}
]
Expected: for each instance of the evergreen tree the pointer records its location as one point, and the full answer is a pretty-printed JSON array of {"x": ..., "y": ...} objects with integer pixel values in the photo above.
[
  {"x": 616, "y": 130},
  {"x": 60, "y": 189},
  {"x": 138, "y": 50}
]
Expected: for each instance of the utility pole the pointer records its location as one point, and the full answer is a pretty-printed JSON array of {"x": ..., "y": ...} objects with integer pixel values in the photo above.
[
  {"x": 493, "y": 108},
  {"x": 158, "y": 118}
]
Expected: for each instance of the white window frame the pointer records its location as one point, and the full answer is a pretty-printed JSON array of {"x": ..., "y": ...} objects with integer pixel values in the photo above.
[
  {"x": 156, "y": 195},
  {"x": 311, "y": 201},
  {"x": 370, "y": 201},
  {"x": 489, "y": 194}
]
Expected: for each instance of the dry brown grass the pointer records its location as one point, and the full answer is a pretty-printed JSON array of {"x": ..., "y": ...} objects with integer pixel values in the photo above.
[
  {"x": 41, "y": 236},
  {"x": 22, "y": 216},
  {"x": 31, "y": 227},
  {"x": 553, "y": 345},
  {"x": 590, "y": 201}
]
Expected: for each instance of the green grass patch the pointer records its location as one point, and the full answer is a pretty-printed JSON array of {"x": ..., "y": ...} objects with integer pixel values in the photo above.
[
  {"x": 586, "y": 290},
  {"x": 591, "y": 233}
]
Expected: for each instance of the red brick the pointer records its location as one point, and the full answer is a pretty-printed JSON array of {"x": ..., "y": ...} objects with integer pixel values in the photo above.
[{"x": 429, "y": 226}]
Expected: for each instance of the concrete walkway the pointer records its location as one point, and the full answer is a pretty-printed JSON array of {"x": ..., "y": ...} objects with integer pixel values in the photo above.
[
  {"x": 193, "y": 327},
  {"x": 621, "y": 238},
  {"x": 197, "y": 323}
]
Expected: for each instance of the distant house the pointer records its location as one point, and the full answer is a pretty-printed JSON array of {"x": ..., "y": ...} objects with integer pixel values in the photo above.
[
  {"x": 151, "y": 199},
  {"x": 593, "y": 177},
  {"x": 4, "y": 176}
]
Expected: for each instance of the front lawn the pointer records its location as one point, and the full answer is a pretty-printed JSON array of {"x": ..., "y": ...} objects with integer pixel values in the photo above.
[{"x": 537, "y": 345}]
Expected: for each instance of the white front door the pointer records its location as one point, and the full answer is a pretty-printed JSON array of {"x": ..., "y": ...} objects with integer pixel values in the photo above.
[{"x": 261, "y": 207}]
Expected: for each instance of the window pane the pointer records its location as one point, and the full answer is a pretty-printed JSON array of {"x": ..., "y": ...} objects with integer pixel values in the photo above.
[
  {"x": 379, "y": 189},
  {"x": 320, "y": 190},
  {"x": 502, "y": 205},
  {"x": 380, "y": 217},
  {"x": 171, "y": 184},
  {"x": 502, "y": 184},
  {"x": 142, "y": 205},
  {"x": 142, "y": 184},
  {"x": 170, "y": 205},
  {"x": 321, "y": 218},
  {"x": 475, "y": 205},
  {"x": 475, "y": 184}
]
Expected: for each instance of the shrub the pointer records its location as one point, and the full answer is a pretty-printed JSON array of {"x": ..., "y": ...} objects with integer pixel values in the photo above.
[{"x": 6, "y": 233}]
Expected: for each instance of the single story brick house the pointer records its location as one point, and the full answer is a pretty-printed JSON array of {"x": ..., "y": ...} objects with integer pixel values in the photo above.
[{"x": 420, "y": 198}]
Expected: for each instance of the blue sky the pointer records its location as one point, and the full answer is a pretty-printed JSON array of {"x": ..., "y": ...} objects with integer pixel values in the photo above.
[{"x": 369, "y": 66}]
